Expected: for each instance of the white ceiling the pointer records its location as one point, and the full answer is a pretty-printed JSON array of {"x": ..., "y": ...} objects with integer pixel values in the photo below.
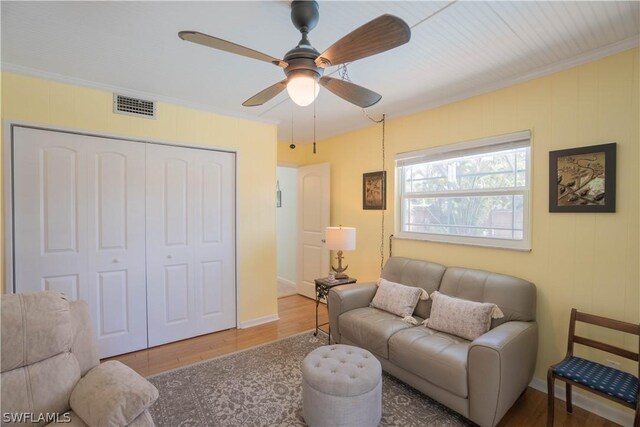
[{"x": 456, "y": 50}]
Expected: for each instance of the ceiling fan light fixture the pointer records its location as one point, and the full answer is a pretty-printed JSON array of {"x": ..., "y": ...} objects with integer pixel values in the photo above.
[{"x": 303, "y": 87}]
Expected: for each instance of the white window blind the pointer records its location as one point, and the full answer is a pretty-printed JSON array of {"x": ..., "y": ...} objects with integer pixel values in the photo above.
[{"x": 475, "y": 192}]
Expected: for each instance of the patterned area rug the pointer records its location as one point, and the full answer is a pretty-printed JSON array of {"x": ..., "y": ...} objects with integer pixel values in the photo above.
[{"x": 262, "y": 387}]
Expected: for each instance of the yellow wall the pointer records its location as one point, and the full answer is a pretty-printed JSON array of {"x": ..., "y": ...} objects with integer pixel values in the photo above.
[
  {"x": 297, "y": 156},
  {"x": 589, "y": 261},
  {"x": 38, "y": 101}
]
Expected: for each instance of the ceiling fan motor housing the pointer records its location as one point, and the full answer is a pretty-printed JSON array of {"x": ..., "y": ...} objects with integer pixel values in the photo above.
[{"x": 301, "y": 60}]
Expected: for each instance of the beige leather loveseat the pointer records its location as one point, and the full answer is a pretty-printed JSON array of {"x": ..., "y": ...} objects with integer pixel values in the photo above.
[
  {"x": 480, "y": 379},
  {"x": 51, "y": 373}
]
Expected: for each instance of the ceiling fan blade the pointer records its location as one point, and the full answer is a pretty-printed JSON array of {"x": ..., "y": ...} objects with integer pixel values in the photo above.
[
  {"x": 216, "y": 43},
  {"x": 265, "y": 95},
  {"x": 355, "y": 94},
  {"x": 379, "y": 35}
]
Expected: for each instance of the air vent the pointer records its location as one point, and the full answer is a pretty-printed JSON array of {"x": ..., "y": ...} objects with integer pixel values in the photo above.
[{"x": 134, "y": 106}]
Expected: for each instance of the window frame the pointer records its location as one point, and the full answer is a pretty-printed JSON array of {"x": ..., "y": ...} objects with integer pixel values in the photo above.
[{"x": 457, "y": 150}]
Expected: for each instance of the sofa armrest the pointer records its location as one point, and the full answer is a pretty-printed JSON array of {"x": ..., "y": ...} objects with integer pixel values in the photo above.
[
  {"x": 345, "y": 298},
  {"x": 501, "y": 364},
  {"x": 85, "y": 346},
  {"x": 112, "y": 394}
]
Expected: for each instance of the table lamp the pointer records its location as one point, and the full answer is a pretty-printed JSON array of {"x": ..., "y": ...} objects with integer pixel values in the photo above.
[{"x": 340, "y": 239}]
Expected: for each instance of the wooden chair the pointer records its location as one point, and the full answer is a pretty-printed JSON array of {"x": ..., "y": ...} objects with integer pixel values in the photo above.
[{"x": 602, "y": 380}]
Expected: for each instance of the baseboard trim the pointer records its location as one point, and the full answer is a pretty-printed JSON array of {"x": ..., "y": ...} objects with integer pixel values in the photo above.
[
  {"x": 617, "y": 415},
  {"x": 287, "y": 282},
  {"x": 258, "y": 321}
]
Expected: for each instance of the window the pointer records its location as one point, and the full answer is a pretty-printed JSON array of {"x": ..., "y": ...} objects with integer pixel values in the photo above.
[{"x": 475, "y": 192}]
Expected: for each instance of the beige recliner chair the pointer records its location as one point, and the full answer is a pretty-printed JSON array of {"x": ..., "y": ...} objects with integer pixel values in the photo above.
[{"x": 51, "y": 373}]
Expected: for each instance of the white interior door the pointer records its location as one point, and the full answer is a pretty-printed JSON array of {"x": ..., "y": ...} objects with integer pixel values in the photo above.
[
  {"x": 313, "y": 218},
  {"x": 190, "y": 242},
  {"x": 79, "y": 228}
]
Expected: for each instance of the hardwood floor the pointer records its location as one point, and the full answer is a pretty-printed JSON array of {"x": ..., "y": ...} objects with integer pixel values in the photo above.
[{"x": 297, "y": 315}]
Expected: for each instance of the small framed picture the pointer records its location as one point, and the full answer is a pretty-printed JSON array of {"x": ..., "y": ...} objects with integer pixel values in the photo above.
[
  {"x": 583, "y": 179},
  {"x": 374, "y": 190}
]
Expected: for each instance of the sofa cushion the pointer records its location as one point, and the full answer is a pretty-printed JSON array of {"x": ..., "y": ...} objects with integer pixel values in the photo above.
[
  {"x": 435, "y": 356},
  {"x": 370, "y": 328},
  {"x": 395, "y": 298},
  {"x": 27, "y": 336},
  {"x": 515, "y": 297},
  {"x": 460, "y": 317},
  {"x": 410, "y": 272}
]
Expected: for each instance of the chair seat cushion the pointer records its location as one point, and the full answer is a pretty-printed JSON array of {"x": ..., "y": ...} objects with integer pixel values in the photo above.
[{"x": 613, "y": 382}]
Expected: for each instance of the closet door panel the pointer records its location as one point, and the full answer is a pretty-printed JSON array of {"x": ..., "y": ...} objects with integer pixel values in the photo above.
[
  {"x": 116, "y": 237},
  {"x": 170, "y": 276},
  {"x": 50, "y": 198},
  {"x": 214, "y": 247}
]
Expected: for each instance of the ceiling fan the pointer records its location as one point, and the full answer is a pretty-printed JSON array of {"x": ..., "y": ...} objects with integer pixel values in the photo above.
[{"x": 304, "y": 65}]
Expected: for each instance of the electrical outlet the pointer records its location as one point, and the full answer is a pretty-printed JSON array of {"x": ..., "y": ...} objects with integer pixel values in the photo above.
[{"x": 613, "y": 363}]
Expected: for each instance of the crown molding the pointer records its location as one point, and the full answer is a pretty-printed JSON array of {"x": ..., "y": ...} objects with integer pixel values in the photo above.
[{"x": 46, "y": 75}]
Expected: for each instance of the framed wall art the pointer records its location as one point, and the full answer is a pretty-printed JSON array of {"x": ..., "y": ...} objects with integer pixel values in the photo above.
[
  {"x": 583, "y": 179},
  {"x": 374, "y": 190}
]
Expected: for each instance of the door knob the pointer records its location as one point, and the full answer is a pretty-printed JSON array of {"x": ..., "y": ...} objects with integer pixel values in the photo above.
[
  {"x": 115, "y": 260},
  {"x": 169, "y": 257},
  {"x": 323, "y": 241}
]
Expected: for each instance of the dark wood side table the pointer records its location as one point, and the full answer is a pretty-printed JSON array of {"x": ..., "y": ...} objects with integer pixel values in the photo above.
[{"x": 323, "y": 286}]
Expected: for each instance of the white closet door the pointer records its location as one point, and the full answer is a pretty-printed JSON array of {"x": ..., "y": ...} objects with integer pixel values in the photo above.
[
  {"x": 79, "y": 228},
  {"x": 50, "y": 216},
  {"x": 190, "y": 242},
  {"x": 116, "y": 244}
]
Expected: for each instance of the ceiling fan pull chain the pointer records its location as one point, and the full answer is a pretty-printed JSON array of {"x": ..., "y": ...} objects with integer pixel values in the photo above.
[
  {"x": 292, "y": 146},
  {"x": 314, "y": 121},
  {"x": 383, "y": 211}
]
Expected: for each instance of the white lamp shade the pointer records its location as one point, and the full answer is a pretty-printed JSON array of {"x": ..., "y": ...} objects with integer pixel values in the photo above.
[
  {"x": 302, "y": 89},
  {"x": 341, "y": 238}
]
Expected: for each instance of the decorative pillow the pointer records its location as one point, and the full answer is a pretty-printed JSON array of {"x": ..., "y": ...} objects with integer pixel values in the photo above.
[
  {"x": 460, "y": 317},
  {"x": 398, "y": 299},
  {"x": 112, "y": 394}
]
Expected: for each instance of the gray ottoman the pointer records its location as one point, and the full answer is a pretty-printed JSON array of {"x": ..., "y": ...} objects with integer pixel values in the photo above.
[{"x": 341, "y": 386}]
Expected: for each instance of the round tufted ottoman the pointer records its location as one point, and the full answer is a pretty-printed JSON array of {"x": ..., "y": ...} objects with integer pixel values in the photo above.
[{"x": 341, "y": 386}]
